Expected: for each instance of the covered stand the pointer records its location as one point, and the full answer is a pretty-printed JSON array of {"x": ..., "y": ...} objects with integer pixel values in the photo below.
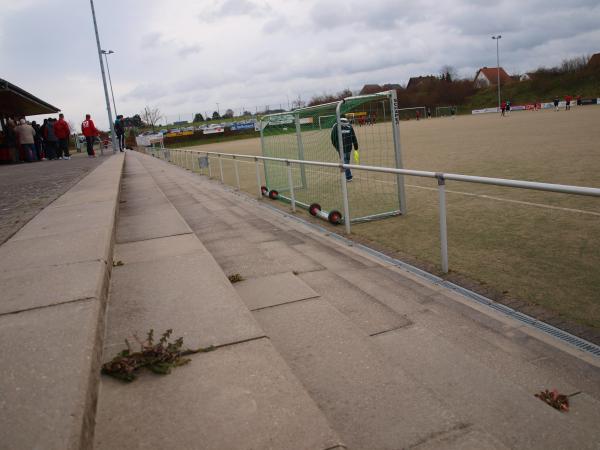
[{"x": 17, "y": 103}]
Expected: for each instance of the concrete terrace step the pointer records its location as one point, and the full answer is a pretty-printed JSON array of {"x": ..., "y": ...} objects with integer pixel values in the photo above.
[
  {"x": 54, "y": 275},
  {"x": 392, "y": 360},
  {"x": 241, "y": 395}
]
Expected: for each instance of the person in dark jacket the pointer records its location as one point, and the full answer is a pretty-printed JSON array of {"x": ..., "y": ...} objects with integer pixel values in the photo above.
[
  {"x": 50, "y": 140},
  {"x": 348, "y": 141},
  {"x": 120, "y": 132},
  {"x": 38, "y": 141}
]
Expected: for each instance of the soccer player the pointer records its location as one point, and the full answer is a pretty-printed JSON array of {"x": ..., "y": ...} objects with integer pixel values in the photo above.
[
  {"x": 348, "y": 141},
  {"x": 503, "y": 108},
  {"x": 556, "y": 103},
  {"x": 568, "y": 99}
]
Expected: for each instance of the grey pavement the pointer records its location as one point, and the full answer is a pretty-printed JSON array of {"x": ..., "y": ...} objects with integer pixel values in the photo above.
[
  {"x": 391, "y": 360},
  {"x": 241, "y": 395},
  {"x": 28, "y": 188},
  {"x": 54, "y": 275}
]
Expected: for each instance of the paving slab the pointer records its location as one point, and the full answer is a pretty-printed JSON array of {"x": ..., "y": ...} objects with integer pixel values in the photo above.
[
  {"x": 159, "y": 248},
  {"x": 188, "y": 293},
  {"x": 462, "y": 438},
  {"x": 44, "y": 286},
  {"x": 151, "y": 225},
  {"x": 365, "y": 311},
  {"x": 238, "y": 397},
  {"x": 69, "y": 220},
  {"x": 482, "y": 395},
  {"x": 330, "y": 257},
  {"x": 367, "y": 403},
  {"x": 398, "y": 297},
  {"x": 273, "y": 290},
  {"x": 50, "y": 361},
  {"x": 222, "y": 248},
  {"x": 56, "y": 249}
]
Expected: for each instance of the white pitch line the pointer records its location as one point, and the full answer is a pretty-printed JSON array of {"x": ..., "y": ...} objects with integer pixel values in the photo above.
[{"x": 499, "y": 199}]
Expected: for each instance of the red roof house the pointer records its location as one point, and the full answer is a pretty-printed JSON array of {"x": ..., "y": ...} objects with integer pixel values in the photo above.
[{"x": 487, "y": 76}]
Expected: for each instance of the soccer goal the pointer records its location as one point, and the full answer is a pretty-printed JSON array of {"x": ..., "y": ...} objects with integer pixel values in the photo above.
[
  {"x": 443, "y": 111},
  {"x": 311, "y": 133},
  {"x": 417, "y": 112}
]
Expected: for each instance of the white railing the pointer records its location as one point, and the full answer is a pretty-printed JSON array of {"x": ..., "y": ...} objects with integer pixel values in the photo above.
[{"x": 439, "y": 176}]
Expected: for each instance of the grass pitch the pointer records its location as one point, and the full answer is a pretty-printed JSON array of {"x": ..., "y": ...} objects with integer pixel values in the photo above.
[{"x": 523, "y": 247}]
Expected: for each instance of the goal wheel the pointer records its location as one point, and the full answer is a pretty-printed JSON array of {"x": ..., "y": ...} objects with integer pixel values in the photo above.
[
  {"x": 273, "y": 194},
  {"x": 314, "y": 209},
  {"x": 264, "y": 190},
  {"x": 335, "y": 217}
]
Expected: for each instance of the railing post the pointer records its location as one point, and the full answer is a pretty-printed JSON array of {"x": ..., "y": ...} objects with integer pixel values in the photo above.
[
  {"x": 443, "y": 226},
  {"x": 209, "y": 169},
  {"x": 237, "y": 172},
  {"x": 258, "y": 178},
  {"x": 291, "y": 184},
  {"x": 221, "y": 169}
]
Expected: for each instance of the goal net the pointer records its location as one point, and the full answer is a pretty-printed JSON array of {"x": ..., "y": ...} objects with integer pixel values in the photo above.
[
  {"x": 443, "y": 111},
  {"x": 310, "y": 134},
  {"x": 417, "y": 112}
]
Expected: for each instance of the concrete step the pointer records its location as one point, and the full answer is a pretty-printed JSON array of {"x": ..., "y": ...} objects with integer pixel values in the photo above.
[
  {"x": 54, "y": 275},
  {"x": 241, "y": 395},
  {"x": 391, "y": 360}
]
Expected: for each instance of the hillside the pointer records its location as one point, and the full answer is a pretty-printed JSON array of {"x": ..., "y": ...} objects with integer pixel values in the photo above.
[{"x": 543, "y": 86}]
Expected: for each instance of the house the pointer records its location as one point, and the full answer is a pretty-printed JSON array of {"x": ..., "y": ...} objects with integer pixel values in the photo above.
[
  {"x": 370, "y": 89},
  {"x": 487, "y": 76},
  {"x": 414, "y": 82},
  {"x": 594, "y": 60}
]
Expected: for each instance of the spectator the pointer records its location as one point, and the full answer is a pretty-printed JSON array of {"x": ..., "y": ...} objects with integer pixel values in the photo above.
[
  {"x": 11, "y": 138},
  {"x": 90, "y": 132},
  {"x": 26, "y": 137},
  {"x": 120, "y": 132},
  {"x": 568, "y": 99},
  {"x": 38, "y": 141},
  {"x": 62, "y": 132},
  {"x": 50, "y": 140},
  {"x": 348, "y": 140}
]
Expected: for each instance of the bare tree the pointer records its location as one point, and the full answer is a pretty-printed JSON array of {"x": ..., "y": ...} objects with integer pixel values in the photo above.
[
  {"x": 72, "y": 128},
  {"x": 448, "y": 73},
  {"x": 151, "y": 116}
]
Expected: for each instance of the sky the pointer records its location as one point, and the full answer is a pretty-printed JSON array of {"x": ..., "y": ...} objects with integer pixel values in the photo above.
[{"x": 185, "y": 56}]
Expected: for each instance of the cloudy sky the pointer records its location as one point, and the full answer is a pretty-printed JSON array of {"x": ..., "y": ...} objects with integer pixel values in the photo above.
[{"x": 184, "y": 56}]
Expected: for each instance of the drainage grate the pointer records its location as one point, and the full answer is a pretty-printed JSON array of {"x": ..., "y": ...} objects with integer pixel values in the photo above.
[{"x": 575, "y": 341}]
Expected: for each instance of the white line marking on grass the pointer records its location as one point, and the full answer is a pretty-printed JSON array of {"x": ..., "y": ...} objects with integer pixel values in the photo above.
[{"x": 499, "y": 199}]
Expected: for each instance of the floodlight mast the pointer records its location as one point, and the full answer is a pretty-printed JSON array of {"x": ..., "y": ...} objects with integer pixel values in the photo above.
[
  {"x": 497, "y": 39},
  {"x": 106, "y": 53},
  {"x": 110, "y": 120}
]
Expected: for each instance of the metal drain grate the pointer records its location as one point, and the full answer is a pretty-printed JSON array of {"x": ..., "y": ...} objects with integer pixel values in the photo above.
[{"x": 574, "y": 341}]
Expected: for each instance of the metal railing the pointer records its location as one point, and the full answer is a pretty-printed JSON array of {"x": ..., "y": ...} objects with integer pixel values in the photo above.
[{"x": 439, "y": 176}]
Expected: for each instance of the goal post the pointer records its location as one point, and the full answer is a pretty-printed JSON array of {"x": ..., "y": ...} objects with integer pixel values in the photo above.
[
  {"x": 415, "y": 112},
  {"x": 308, "y": 134},
  {"x": 443, "y": 111}
]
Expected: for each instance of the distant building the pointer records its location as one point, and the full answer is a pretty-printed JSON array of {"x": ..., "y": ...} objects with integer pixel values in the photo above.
[
  {"x": 370, "y": 89},
  {"x": 414, "y": 82},
  {"x": 487, "y": 76},
  {"x": 594, "y": 60}
]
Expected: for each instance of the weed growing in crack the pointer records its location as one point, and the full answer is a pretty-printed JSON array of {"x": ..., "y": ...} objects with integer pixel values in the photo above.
[
  {"x": 160, "y": 357},
  {"x": 235, "y": 278}
]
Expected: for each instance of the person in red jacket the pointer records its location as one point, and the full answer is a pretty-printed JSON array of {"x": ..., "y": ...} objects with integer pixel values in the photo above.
[
  {"x": 568, "y": 99},
  {"x": 90, "y": 132},
  {"x": 62, "y": 132}
]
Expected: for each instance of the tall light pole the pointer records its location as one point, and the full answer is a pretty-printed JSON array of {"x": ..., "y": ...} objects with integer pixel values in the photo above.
[
  {"x": 497, "y": 39},
  {"x": 106, "y": 53},
  {"x": 218, "y": 110},
  {"x": 110, "y": 121}
]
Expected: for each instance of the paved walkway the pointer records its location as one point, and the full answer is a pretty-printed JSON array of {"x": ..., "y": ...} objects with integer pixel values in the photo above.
[
  {"x": 390, "y": 361},
  {"x": 28, "y": 188}
]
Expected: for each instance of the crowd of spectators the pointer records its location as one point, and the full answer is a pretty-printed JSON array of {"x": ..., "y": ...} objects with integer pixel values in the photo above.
[{"x": 48, "y": 141}]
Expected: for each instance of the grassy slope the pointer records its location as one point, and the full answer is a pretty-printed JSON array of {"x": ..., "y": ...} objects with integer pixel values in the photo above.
[{"x": 586, "y": 84}]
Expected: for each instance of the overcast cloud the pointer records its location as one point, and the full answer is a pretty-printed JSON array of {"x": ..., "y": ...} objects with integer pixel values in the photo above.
[{"x": 185, "y": 56}]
